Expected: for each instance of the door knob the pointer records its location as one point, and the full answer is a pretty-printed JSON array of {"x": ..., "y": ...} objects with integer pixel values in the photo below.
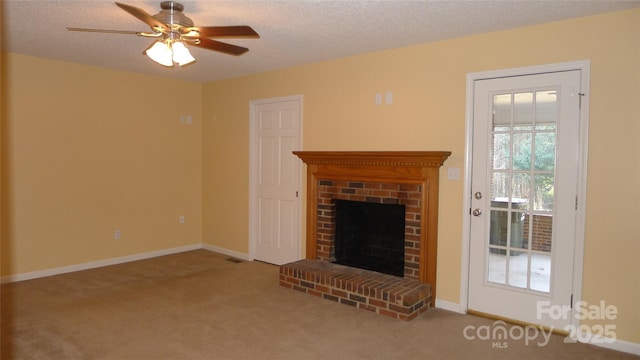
[
  {"x": 478, "y": 195},
  {"x": 477, "y": 212}
]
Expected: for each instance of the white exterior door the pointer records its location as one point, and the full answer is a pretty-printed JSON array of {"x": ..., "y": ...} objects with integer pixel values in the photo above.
[
  {"x": 275, "y": 179},
  {"x": 525, "y": 168}
]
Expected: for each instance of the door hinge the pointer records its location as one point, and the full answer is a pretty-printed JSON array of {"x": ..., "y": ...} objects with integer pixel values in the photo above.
[
  {"x": 581, "y": 95},
  {"x": 296, "y": 194},
  {"x": 571, "y": 301},
  {"x": 576, "y": 203}
]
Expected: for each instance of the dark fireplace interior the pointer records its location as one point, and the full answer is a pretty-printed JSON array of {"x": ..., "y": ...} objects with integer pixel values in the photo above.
[{"x": 370, "y": 236}]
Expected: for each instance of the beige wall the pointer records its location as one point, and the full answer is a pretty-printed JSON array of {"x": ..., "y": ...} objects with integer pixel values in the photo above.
[
  {"x": 86, "y": 150},
  {"x": 89, "y": 150},
  {"x": 428, "y": 113}
]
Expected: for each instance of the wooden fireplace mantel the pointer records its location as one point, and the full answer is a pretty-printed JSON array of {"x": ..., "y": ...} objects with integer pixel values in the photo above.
[{"x": 409, "y": 167}]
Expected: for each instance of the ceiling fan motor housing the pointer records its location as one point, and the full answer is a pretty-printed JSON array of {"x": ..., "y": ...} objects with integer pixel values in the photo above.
[{"x": 171, "y": 14}]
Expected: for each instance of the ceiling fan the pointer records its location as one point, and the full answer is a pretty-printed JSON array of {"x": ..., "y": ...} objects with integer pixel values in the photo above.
[{"x": 173, "y": 30}]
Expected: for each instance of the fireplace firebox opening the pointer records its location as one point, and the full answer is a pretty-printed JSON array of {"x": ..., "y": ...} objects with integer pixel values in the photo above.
[{"x": 370, "y": 236}]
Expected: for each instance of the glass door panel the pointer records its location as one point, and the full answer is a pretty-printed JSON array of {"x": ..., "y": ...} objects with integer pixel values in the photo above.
[{"x": 522, "y": 189}]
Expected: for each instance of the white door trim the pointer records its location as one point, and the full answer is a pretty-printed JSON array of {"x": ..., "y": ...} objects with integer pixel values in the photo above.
[
  {"x": 584, "y": 67},
  {"x": 253, "y": 161}
]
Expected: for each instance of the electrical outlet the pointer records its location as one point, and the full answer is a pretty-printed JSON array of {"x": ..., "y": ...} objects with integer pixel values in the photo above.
[
  {"x": 181, "y": 219},
  {"x": 116, "y": 234}
]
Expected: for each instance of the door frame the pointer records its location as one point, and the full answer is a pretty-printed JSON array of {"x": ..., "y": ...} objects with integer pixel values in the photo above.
[
  {"x": 584, "y": 67},
  {"x": 253, "y": 173}
]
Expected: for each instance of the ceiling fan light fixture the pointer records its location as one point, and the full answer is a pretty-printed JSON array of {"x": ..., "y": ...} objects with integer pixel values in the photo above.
[
  {"x": 161, "y": 53},
  {"x": 181, "y": 54}
]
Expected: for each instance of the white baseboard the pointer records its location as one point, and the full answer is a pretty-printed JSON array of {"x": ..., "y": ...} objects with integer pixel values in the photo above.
[
  {"x": 448, "y": 305},
  {"x": 223, "y": 251},
  {"x": 96, "y": 264}
]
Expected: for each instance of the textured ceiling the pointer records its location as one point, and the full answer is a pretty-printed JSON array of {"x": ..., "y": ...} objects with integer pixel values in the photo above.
[{"x": 292, "y": 32}]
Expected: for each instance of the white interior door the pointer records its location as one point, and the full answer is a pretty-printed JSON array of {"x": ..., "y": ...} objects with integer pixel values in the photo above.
[
  {"x": 525, "y": 168},
  {"x": 275, "y": 203}
]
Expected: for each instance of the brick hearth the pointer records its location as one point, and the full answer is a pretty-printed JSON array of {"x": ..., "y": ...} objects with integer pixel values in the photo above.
[{"x": 384, "y": 294}]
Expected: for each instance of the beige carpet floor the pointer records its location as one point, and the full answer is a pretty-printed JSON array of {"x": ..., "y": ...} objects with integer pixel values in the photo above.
[{"x": 199, "y": 305}]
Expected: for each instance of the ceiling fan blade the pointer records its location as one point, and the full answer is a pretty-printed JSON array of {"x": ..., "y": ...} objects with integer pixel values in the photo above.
[
  {"x": 218, "y": 46},
  {"x": 104, "y": 31},
  {"x": 220, "y": 31},
  {"x": 144, "y": 17},
  {"x": 125, "y": 32}
]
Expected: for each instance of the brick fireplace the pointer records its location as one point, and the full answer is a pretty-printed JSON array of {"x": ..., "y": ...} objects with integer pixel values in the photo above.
[
  {"x": 406, "y": 178},
  {"x": 374, "y": 192}
]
